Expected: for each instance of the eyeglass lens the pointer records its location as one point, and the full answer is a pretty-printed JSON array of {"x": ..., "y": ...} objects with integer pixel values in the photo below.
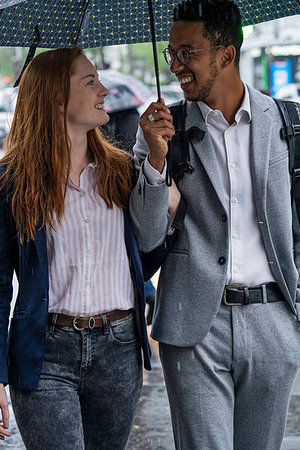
[{"x": 182, "y": 55}]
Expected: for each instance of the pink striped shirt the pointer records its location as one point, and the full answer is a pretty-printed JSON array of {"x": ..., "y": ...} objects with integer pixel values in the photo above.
[{"x": 88, "y": 265}]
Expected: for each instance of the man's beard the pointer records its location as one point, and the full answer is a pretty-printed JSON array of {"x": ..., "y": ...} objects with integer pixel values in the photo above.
[{"x": 204, "y": 92}]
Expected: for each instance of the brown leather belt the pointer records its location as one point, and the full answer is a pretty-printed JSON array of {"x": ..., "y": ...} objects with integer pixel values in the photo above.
[{"x": 81, "y": 323}]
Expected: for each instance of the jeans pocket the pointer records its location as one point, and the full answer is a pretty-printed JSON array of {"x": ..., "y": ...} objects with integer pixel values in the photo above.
[{"x": 124, "y": 332}]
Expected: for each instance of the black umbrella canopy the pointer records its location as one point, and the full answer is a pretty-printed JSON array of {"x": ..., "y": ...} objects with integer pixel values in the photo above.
[{"x": 94, "y": 23}]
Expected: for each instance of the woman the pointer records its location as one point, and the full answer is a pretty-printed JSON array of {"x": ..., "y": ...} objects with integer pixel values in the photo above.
[{"x": 74, "y": 361}]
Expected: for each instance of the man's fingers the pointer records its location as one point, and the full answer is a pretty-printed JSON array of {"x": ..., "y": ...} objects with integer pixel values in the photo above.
[
  {"x": 155, "y": 109},
  {"x": 4, "y": 432},
  {"x": 5, "y": 416},
  {"x": 157, "y": 116}
]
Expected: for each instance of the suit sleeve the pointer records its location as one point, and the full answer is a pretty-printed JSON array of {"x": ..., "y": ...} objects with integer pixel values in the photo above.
[
  {"x": 148, "y": 204},
  {"x": 6, "y": 275}
]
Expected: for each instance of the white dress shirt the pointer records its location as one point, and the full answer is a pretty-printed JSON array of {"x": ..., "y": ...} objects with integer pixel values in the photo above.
[
  {"x": 87, "y": 258},
  {"x": 248, "y": 264}
]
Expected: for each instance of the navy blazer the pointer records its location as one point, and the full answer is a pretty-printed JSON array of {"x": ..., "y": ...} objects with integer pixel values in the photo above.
[{"x": 22, "y": 352}]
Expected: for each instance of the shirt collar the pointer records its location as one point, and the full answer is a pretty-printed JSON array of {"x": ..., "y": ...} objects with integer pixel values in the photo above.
[
  {"x": 243, "y": 111},
  {"x": 93, "y": 164}
]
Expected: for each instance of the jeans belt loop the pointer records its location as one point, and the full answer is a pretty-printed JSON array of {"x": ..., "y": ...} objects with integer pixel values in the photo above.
[
  {"x": 246, "y": 296},
  {"x": 264, "y": 294},
  {"x": 105, "y": 324},
  {"x": 53, "y": 322}
]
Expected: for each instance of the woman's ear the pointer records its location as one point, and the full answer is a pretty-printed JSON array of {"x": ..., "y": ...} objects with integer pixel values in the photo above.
[{"x": 228, "y": 56}]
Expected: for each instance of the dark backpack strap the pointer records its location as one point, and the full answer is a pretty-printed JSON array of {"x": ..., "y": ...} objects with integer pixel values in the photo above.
[
  {"x": 175, "y": 144},
  {"x": 290, "y": 112},
  {"x": 178, "y": 156}
]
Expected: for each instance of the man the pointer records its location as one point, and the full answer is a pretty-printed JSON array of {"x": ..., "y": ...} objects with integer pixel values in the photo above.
[{"x": 226, "y": 313}]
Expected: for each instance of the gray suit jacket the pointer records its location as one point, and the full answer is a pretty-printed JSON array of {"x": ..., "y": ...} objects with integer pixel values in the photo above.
[{"x": 192, "y": 279}]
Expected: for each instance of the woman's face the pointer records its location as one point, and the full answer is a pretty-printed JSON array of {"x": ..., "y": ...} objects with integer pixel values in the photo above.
[{"x": 85, "y": 109}]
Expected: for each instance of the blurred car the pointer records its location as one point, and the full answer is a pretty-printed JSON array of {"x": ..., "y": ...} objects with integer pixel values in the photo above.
[
  {"x": 171, "y": 93},
  {"x": 8, "y": 98},
  {"x": 289, "y": 92},
  {"x": 126, "y": 91}
]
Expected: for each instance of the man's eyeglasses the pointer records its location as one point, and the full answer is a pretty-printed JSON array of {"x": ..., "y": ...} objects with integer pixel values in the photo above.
[{"x": 183, "y": 55}]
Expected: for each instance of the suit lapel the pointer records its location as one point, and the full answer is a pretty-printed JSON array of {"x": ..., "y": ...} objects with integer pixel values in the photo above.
[
  {"x": 260, "y": 142},
  {"x": 204, "y": 149}
]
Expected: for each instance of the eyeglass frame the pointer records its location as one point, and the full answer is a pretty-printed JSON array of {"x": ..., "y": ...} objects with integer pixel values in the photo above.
[{"x": 189, "y": 52}]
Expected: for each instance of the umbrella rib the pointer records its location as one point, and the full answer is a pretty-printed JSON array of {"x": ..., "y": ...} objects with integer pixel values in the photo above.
[{"x": 81, "y": 22}]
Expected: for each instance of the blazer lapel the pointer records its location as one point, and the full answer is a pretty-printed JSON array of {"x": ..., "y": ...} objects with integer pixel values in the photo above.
[
  {"x": 260, "y": 141},
  {"x": 204, "y": 148}
]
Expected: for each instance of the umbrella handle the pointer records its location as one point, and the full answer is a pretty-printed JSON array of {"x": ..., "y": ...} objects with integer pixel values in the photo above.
[{"x": 152, "y": 29}]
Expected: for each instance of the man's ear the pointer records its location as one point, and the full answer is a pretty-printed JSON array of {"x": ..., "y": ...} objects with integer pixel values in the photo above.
[{"x": 228, "y": 56}]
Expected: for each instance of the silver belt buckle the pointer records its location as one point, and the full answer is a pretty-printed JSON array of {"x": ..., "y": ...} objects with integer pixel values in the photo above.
[
  {"x": 74, "y": 323},
  {"x": 233, "y": 288}
]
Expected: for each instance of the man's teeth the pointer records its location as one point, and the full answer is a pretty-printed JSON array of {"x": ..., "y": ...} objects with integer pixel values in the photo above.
[
  {"x": 99, "y": 106},
  {"x": 186, "y": 80}
]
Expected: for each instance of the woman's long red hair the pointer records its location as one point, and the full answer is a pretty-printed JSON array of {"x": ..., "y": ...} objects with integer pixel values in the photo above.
[{"x": 37, "y": 159}]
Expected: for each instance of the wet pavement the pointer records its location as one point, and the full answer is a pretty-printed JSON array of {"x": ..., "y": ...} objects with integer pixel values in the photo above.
[{"x": 152, "y": 427}]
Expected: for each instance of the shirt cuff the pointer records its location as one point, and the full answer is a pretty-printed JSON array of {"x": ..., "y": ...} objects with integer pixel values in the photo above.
[{"x": 153, "y": 176}]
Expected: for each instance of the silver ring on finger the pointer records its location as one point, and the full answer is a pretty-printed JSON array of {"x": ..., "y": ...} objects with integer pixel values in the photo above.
[{"x": 151, "y": 118}]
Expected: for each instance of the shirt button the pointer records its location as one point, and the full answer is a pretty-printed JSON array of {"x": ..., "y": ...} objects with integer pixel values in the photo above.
[
  {"x": 224, "y": 218},
  {"x": 232, "y": 165},
  {"x": 222, "y": 260},
  {"x": 235, "y": 270},
  {"x": 228, "y": 132},
  {"x": 86, "y": 220},
  {"x": 235, "y": 236},
  {"x": 235, "y": 200},
  {"x": 82, "y": 194}
]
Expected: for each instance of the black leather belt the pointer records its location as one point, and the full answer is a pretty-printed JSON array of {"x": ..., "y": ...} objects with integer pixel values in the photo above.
[{"x": 242, "y": 295}]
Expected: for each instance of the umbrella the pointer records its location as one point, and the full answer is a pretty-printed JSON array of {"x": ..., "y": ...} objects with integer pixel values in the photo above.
[{"x": 95, "y": 23}]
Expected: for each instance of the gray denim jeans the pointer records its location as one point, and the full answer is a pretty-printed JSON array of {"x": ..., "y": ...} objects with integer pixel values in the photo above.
[{"x": 88, "y": 390}]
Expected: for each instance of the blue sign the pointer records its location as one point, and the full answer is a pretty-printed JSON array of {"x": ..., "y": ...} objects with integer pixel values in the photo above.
[{"x": 280, "y": 75}]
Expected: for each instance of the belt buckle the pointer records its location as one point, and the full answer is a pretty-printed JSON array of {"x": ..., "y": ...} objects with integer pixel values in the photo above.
[
  {"x": 233, "y": 287},
  {"x": 74, "y": 323}
]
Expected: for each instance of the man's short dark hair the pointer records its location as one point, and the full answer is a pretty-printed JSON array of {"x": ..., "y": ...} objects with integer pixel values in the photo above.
[{"x": 221, "y": 19}]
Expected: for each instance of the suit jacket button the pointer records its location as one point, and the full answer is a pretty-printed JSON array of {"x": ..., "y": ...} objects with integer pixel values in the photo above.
[
  {"x": 224, "y": 218},
  {"x": 222, "y": 260}
]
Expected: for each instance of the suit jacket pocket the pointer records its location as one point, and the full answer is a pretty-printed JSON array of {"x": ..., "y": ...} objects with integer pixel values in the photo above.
[{"x": 279, "y": 157}]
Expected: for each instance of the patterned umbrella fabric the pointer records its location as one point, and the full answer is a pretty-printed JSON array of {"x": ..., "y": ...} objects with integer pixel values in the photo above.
[{"x": 95, "y": 23}]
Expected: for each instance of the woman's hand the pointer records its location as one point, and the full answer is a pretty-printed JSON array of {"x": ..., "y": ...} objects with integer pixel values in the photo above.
[
  {"x": 4, "y": 423},
  {"x": 174, "y": 200},
  {"x": 157, "y": 126}
]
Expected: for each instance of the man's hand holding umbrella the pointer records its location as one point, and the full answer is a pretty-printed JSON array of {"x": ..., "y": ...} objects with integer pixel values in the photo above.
[{"x": 157, "y": 126}]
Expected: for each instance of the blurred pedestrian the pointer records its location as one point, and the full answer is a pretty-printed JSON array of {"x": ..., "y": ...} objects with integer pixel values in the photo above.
[
  {"x": 228, "y": 294},
  {"x": 74, "y": 354}
]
